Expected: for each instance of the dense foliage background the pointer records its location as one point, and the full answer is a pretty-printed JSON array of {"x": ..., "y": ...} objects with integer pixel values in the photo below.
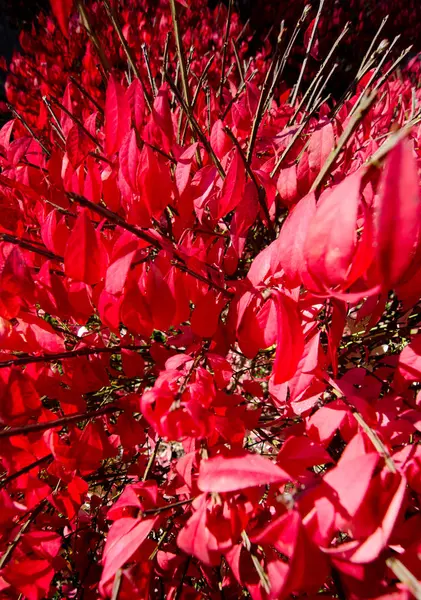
[{"x": 210, "y": 282}]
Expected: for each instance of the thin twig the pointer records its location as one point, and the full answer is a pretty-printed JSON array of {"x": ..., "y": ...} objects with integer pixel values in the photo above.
[
  {"x": 374, "y": 74},
  {"x": 180, "y": 53},
  {"x": 116, "y": 584},
  {"x": 261, "y": 106},
  {"x": 196, "y": 127},
  {"x": 160, "y": 509},
  {"x": 117, "y": 27},
  {"x": 115, "y": 218},
  {"x": 77, "y": 121},
  {"x": 371, "y": 434},
  {"x": 238, "y": 61},
  {"x": 313, "y": 84},
  {"x": 165, "y": 57},
  {"x": 283, "y": 61},
  {"x": 31, "y": 428},
  {"x": 239, "y": 91},
  {"x": 224, "y": 52},
  {"x": 365, "y": 105},
  {"x": 376, "y": 159},
  {"x": 11, "y": 548},
  {"x": 261, "y": 194},
  {"x": 183, "y": 576},
  {"x": 376, "y": 441},
  {"x": 49, "y": 357},
  {"x": 149, "y": 71},
  {"x": 25, "y": 470},
  {"x": 405, "y": 576},
  {"x": 151, "y": 460},
  {"x": 312, "y": 102},
  {"x": 370, "y": 48},
  {"x": 292, "y": 141},
  {"x": 308, "y": 52},
  {"x": 57, "y": 127},
  {"x": 29, "y": 129},
  {"x": 392, "y": 68},
  {"x": 94, "y": 39},
  {"x": 84, "y": 92},
  {"x": 11, "y": 239},
  {"x": 197, "y": 92}
]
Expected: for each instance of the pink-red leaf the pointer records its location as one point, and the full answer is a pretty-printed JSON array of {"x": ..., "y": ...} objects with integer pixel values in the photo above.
[
  {"x": 290, "y": 339},
  {"x": 62, "y": 10},
  {"x": 229, "y": 474},
  {"x": 85, "y": 258},
  {"x": 117, "y": 115}
]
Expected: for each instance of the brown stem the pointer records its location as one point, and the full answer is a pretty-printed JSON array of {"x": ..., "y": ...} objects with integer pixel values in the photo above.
[
  {"x": 371, "y": 47},
  {"x": 26, "y": 360},
  {"x": 196, "y": 127},
  {"x": 180, "y": 53},
  {"x": 374, "y": 75},
  {"x": 29, "y": 129},
  {"x": 115, "y": 218},
  {"x": 151, "y": 460},
  {"x": 261, "y": 194},
  {"x": 77, "y": 121},
  {"x": 25, "y": 470},
  {"x": 160, "y": 509},
  {"x": 57, "y": 126},
  {"x": 240, "y": 90},
  {"x": 224, "y": 53},
  {"x": 84, "y": 92},
  {"x": 11, "y": 548},
  {"x": 308, "y": 51},
  {"x": 33, "y": 427},
  {"x": 11, "y": 239},
  {"x": 405, "y": 576},
  {"x": 197, "y": 91},
  {"x": 291, "y": 143},
  {"x": 149, "y": 71},
  {"x": 288, "y": 49},
  {"x": 238, "y": 61},
  {"x": 165, "y": 57},
  {"x": 179, "y": 591},
  {"x": 261, "y": 107},
  {"x": 117, "y": 27},
  {"x": 371, "y": 434},
  {"x": 319, "y": 73},
  {"x": 365, "y": 105},
  {"x": 94, "y": 39}
]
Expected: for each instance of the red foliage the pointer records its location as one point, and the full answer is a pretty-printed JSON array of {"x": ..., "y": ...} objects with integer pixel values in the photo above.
[{"x": 209, "y": 308}]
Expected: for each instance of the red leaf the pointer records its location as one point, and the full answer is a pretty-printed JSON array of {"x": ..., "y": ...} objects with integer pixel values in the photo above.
[
  {"x": 332, "y": 234},
  {"x": 351, "y": 479},
  {"x": 117, "y": 115},
  {"x": 290, "y": 243},
  {"x": 184, "y": 166},
  {"x": 78, "y": 145},
  {"x": 287, "y": 184},
  {"x": 196, "y": 539},
  {"x": 129, "y": 157},
  {"x": 290, "y": 340},
  {"x": 205, "y": 316},
  {"x": 233, "y": 186},
  {"x": 124, "y": 538},
  {"x": 85, "y": 258},
  {"x": 397, "y": 214},
  {"x": 410, "y": 360},
  {"x": 62, "y": 10},
  {"x": 136, "y": 100},
  {"x": 322, "y": 142},
  {"x": 229, "y": 474}
]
